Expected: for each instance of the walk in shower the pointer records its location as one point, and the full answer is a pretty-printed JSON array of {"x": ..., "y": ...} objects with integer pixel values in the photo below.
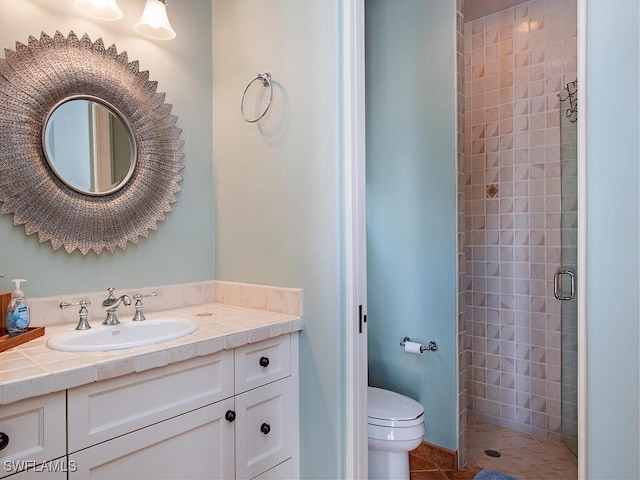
[{"x": 520, "y": 179}]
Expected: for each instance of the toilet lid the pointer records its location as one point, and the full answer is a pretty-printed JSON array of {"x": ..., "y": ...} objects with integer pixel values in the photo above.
[{"x": 391, "y": 409}]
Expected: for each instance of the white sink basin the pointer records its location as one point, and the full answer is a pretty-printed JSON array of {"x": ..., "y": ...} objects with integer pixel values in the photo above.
[{"x": 127, "y": 334}]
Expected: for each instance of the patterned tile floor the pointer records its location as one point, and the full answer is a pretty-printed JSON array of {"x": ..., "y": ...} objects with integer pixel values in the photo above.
[{"x": 523, "y": 456}]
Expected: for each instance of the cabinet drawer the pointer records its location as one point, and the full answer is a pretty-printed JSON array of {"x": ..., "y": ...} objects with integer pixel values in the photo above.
[
  {"x": 263, "y": 428},
  {"x": 260, "y": 363},
  {"x": 36, "y": 428},
  {"x": 104, "y": 410}
]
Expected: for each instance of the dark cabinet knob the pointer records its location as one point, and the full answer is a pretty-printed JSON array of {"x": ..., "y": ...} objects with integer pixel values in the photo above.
[
  {"x": 4, "y": 440},
  {"x": 264, "y": 361},
  {"x": 265, "y": 428},
  {"x": 230, "y": 416}
]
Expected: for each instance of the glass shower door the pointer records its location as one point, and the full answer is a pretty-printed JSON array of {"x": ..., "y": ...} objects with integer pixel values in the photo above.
[{"x": 565, "y": 278}]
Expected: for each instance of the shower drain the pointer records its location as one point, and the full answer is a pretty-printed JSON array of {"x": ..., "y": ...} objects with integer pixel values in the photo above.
[{"x": 492, "y": 453}]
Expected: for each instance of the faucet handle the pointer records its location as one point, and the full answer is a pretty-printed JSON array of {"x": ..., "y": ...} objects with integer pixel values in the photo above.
[
  {"x": 138, "y": 296},
  {"x": 139, "y": 316},
  {"x": 83, "y": 324}
]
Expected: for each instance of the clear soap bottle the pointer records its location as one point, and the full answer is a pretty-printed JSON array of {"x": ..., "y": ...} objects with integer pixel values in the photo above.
[{"x": 18, "y": 314}]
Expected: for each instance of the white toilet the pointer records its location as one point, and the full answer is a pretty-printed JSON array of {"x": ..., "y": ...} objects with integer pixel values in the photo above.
[{"x": 396, "y": 426}]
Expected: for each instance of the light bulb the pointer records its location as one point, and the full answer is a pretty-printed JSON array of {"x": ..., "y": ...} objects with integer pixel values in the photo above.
[
  {"x": 154, "y": 22},
  {"x": 100, "y": 9}
]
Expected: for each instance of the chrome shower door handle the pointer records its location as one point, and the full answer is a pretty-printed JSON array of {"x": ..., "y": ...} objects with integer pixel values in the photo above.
[{"x": 557, "y": 284}]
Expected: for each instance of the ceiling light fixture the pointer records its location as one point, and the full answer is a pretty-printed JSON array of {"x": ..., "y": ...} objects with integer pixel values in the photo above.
[
  {"x": 154, "y": 22},
  {"x": 100, "y": 9}
]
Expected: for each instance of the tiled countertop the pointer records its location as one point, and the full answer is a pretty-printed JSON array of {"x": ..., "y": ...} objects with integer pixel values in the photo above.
[{"x": 33, "y": 369}]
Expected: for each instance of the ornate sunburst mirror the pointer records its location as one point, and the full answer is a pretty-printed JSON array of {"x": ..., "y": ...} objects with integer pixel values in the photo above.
[{"x": 90, "y": 155}]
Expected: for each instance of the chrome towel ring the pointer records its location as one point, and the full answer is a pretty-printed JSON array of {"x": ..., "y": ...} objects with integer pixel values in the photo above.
[{"x": 266, "y": 81}]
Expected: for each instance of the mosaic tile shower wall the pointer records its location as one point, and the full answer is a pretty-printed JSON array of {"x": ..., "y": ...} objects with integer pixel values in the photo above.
[{"x": 516, "y": 62}]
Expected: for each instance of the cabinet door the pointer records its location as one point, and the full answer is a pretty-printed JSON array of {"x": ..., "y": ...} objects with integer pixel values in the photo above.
[
  {"x": 264, "y": 433},
  {"x": 34, "y": 432},
  {"x": 195, "y": 445}
]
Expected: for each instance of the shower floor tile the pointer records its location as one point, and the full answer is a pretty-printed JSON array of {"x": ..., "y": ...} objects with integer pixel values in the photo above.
[{"x": 523, "y": 456}]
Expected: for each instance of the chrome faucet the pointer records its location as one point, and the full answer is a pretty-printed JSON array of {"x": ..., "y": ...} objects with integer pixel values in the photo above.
[{"x": 110, "y": 304}]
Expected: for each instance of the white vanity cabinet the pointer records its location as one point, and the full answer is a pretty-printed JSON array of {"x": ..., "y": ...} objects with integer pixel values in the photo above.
[
  {"x": 33, "y": 437},
  {"x": 232, "y": 414}
]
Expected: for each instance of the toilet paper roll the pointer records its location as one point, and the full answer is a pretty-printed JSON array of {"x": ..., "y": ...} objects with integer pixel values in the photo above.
[{"x": 412, "y": 347}]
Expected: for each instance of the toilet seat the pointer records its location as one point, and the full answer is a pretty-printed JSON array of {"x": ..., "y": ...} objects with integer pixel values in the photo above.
[{"x": 390, "y": 409}]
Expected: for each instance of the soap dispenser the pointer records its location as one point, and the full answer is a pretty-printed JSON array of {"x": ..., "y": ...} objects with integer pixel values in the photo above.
[{"x": 18, "y": 315}]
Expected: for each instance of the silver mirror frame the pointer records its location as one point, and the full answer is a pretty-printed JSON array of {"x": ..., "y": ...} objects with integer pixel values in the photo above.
[{"x": 36, "y": 77}]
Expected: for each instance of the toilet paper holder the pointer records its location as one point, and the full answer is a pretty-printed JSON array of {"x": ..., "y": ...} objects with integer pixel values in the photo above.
[{"x": 431, "y": 347}]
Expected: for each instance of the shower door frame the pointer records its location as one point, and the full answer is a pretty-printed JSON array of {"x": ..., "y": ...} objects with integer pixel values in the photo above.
[{"x": 582, "y": 240}]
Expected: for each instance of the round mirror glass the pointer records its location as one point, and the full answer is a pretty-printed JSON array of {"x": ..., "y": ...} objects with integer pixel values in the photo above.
[{"x": 89, "y": 146}]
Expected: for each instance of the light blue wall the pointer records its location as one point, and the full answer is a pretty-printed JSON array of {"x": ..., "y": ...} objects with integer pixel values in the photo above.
[
  {"x": 181, "y": 250},
  {"x": 411, "y": 192},
  {"x": 278, "y": 190},
  {"x": 613, "y": 247}
]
